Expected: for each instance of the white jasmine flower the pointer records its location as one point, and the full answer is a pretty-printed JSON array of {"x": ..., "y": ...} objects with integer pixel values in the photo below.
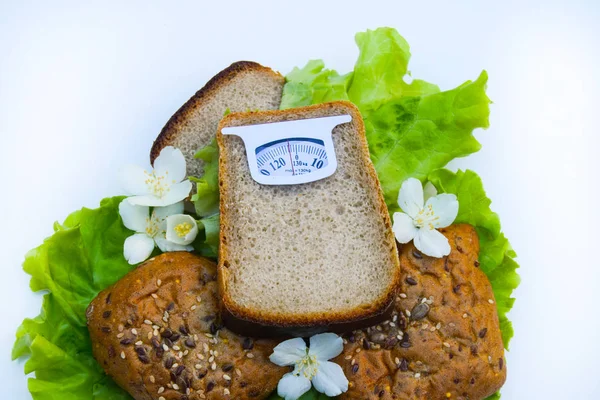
[
  {"x": 310, "y": 366},
  {"x": 162, "y": 186},
  {"x": 150, "y": 230},
  {"x": 422, "y": 216},
  {"x": 181, "y": 229}
]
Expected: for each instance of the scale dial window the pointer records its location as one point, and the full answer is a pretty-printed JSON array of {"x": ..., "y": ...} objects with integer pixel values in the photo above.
[{"x": 291, "y": 157}]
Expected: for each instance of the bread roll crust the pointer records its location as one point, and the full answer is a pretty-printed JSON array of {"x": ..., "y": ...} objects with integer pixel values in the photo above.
[
  {"x": 450, "y": 347},
  {"x": 158, "y": 327}
]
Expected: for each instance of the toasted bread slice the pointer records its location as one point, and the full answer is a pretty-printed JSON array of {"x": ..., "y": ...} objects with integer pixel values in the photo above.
[
  {"x": 305, "y": 258},
  {"x": 243, "y": 86}
]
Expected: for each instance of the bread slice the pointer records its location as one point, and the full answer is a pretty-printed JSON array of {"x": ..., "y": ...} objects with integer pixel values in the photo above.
[
  {"x": 310, "y": 257},
  {"x": 243, "y": 86}
]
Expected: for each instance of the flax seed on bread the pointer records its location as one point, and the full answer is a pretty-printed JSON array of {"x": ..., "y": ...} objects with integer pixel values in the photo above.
[
  {"x": 243, "y": 86},
  {"x": 305, "y": 258}
]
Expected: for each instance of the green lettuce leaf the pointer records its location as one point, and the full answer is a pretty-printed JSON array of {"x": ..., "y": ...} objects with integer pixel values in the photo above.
[
  {"x": 211, "y": 229},
  {"x": 206, "y": 198},
  {"x": 313, "y": 84},
  {"x": 81, "y": 258},
  {"x": 412, "y": 136},
  {"x": 379, "y": 72},
  {"x": 207, "y": 241}
]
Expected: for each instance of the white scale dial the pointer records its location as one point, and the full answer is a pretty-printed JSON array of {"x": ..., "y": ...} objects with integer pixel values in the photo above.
[
  {"x": 294, "y": 156},
  {"x": 290, "y": 152}
]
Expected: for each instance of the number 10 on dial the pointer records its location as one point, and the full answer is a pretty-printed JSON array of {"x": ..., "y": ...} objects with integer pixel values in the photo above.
[{"x": 290, "y": 152}]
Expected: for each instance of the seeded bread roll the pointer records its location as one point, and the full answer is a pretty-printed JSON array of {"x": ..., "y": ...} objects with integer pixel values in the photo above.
[
  {"x": 157, "y": 334},
  {"x": 443, "y": 340},
  {"x": 307, "y": 258},
  {"x": 243, "y": 86}
]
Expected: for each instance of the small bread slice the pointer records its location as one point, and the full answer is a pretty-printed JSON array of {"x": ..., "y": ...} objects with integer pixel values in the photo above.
[
  {"x": 243, "y": 86},
  {"x": 300, "y": 259}
]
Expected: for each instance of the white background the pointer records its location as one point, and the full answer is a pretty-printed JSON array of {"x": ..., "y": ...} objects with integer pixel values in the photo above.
[{"x": 86, "y": 88}]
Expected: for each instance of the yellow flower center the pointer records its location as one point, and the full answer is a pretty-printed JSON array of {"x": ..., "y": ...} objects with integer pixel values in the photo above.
[
  {"x": 307, "y": 366},
  {"x": 157, "y": 185},
  {"x": 152, "y": 224},
  {"x": 183, "y": 229},
  {"x": 426, "y": 218}
]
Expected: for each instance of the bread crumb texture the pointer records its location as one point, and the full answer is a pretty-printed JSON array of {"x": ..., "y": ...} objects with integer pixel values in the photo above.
[
  {"x": 243, "y": 86},
  {"x": 312, "y": 249}
]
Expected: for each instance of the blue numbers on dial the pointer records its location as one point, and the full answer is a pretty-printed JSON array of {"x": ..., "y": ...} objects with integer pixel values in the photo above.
[
  {"x": 317, "y": 163},
  {"x": 277, "y": 163}
]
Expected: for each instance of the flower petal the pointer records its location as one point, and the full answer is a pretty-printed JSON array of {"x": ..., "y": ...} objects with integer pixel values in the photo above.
[
  {"x": 325, "y": 346},
  {"x": 170, "y": 163},
  {"x": 134, "y": 217},
  {"x": 133, "y": 180},
  {"x": 429, "y": 191},
  {"x": 178, "y": 192},
  {"x": 432, "y": 243},
  {"x": 187, "y": 229},
  {"x": 291, "y": 387},
  {"x": 330, "y": 379},
  {"x": 165, "y": 246},
  {"x": 138, "y": 248},
  {"x": 445, "y": 207},
  {"x": 162, "y": 213},
  {"x": 146, "y": 200},
  {"x": 288, "y": 352},
  {"x": 404, "y": 227},
  {"x": 410, "y": 198}
]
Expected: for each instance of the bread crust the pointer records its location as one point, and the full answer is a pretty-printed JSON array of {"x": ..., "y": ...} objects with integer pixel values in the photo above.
[
  {"x": 299, "y": 325},
  {"x": 243, "y": 326},
  {"x": 171, "y": 129}
]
